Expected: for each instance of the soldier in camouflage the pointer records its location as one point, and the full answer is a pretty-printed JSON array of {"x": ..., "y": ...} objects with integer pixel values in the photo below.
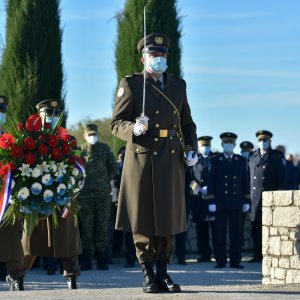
[{"x": 95, "y": 199}]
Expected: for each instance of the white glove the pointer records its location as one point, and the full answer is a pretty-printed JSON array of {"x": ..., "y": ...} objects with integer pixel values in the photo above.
[
  {"x": 212, "y": 207},
  {"x": 246, "y": 207},
  {"x": 191, "y": 159},
  {"x": 204, "y": 191},
  {"x": 140, "y": 126}
]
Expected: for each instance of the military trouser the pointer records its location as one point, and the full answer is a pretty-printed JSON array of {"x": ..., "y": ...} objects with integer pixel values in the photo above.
[
  {"x": 70, "y": 264},
  {"x": 94, "y": 220},
  {"x": 152, "y": 248},
  {"x": 15, "y": 268}
]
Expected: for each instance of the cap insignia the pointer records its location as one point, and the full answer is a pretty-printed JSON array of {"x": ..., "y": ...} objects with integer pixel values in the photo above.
[
  {"x": 159, "y": 40},
  {"x": 53, "y": 103},
  {"x": 1, "y": 100}
]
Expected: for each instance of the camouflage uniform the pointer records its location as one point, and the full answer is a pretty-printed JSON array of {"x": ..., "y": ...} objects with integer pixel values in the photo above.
[{"x": 95, "y": 199}]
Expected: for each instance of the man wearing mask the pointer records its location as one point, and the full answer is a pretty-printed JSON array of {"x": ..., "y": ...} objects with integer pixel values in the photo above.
[
  {"x": 246, "y": 149},
  {"x": 229, "y": 196},
  {"x": 95, "y": 198},
  {"x": 11, "y": 252},
  {"x": 151, "y": 199},
  {"x": 203, "y": 218},
  {"x": 65, "y": 239},
  {"x": 267, "y": 173}
]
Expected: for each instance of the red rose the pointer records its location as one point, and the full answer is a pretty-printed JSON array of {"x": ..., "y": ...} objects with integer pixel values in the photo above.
[
  {"x": 74, "y": 143},
  {"x": 30, "y": 158},
  {"x": 77, "y": 159},
  {"x": 65, "y": 148},
  {"x": 43, "y": 149},
  {"x": 20, "y": 126},
  {"x": 11, "y": 166},
  {"x": 56, "y": 154},
  {"x": 17, "y": 151},
  {"x": 52, "y": 141},
  {"x": 4, "y": 169},
  {"x": 34, "y": 123},
  {"x": 29, "y": 143},
  {"x": 47, "y": 125},
  {"x": 63, "y": 134},
  {"x": 6, "y": 141}
]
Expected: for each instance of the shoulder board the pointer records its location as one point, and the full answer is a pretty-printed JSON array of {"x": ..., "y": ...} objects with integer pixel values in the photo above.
[
  {"x": 174, "y": 76},
  {"x": 132, "y": 75}
]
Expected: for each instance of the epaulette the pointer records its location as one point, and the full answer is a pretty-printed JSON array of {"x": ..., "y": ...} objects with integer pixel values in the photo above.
[{"x": 132, "y": 75}]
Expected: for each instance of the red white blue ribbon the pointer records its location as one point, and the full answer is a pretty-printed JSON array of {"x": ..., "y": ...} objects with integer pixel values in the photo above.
[
  {"x": 5, "y": 193},
  {"x": 80, "y": 168}
]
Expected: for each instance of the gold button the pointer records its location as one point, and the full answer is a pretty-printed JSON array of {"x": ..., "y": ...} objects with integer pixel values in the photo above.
[
  {"x": 156, "y": 125},
  {"x": 173, "y": 151},
  {"x": 137, "y": 149},
  {"x": 264, "y": 167},
  {"x": 155, "y": 139},
  {"x": 174, "y": 126},
  {"x": 202, "y": 180},
  {"x": 264, "y": 178},
  {"x": 174, "y": 112},
  {"x": 234, "y": 177},
  {"x": 226, "y": 192},
  {"x": 254, "y": 177},
  {"x": 234, "y": 193},
  {"x": 226, "y": 184},
  {"x": 171, "y": 138},
  {"x": 225, "y": 176},
  {"x": 254, "y": 188},
  {"x": 157, "y": 112},
  {"x": 234, "y": 185},
  {"x": 155, "y": 153}
]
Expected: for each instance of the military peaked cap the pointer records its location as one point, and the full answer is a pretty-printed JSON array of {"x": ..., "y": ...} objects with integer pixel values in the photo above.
[
  {"x": 246, "y": 145},
  {"x": 3, "y": 102},
  {"x": 264, "y": 134},
  {"x": 53, "y": 104},
  {"x": 155, "y": 42},
  {"x": 205, "y": 140},
  {"x": 91, "y": 128},
  {"x": 228, "y": 136}
]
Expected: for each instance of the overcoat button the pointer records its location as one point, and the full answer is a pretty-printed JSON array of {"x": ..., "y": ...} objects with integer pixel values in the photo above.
[
  {"x": 155, "y": 153},
  {"x": 156, "y": 125}
]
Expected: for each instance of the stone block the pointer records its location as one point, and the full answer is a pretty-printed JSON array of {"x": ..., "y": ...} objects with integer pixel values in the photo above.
[
  {"x": 274, "y": 263},
  {"x": 267, "y": 199},
  {"x": 266, "y": 281},
  {"x": 287, "y": 248},
  {"x": 272, "y": 272},
  {"x": 296, "y": 198},
  {"x": 266, "y": 266},
  {"x": 265, "y": 240},
  {"x": 293, "y": 276},
  {"x": 266, "y": 216},
  {"x": 295, "y": 262},
  {"x": 275, "y": 244},
  {"x": 277, "y": 281},
  {"x": 284, "y": 263},
  {"x": 286, "y": 216},
  {"x": 280, "y": 273},
  {"x": 283, "y": 198},
  {"x": 283, "y": 231},
  {"x": 273, "y": 230},
  {"x": 284, "y": 238}
]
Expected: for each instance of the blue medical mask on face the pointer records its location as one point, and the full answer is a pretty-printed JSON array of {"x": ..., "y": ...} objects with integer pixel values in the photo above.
[
  {"x": 245, "y": 154},
  {"x": 263, "y": 145},
  {"x": 228, "y": 148},
  {"x": 2, "y": 118},
  {"x": 158, "y": 64},
  {"x": 52, "y": 120},
  {"x": 204, "y": 150}
]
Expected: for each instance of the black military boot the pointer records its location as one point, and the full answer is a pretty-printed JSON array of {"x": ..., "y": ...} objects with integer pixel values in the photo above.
[
  {"x": 163, "y": 279},
  {"x": 71, "y": 281},
  {"x": 15, "y": 284},
  {"x": 86, "y": 262},
  {"x": 101, "y": 261},
  {"x": 149, "y": 283}
]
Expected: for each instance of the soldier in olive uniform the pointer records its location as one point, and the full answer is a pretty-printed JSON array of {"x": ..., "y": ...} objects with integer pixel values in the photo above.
[
  {"x": 11, "y": 251},
  {"x": 267, "y": 173},
  {"x": 65, "y": 239},
  {"x": 95, "y": 198},
  {"x": 151, "y": 199}
]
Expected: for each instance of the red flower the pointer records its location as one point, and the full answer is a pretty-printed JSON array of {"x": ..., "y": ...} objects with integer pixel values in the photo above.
[
  {"x": 65, "y": 148},
  {"x": 41, "y": 137},
  {"x": 43, "y": 149},
  {"x": 63, "y": 134},
  {"x": 52, "y": 141},
  {"x": 29, "y": 143},
  {"x": 20, "y": 126},
  {"x": 6, "y": 141},
  {"x": 47, "y": 125},
  {"x": 74, "y": 143},
  {"x": 77, "y": 159},
  {"x": 34, "y": 123},
  {"x": 30, "y": 158},
  {"x": 17, "y": 151},
  {"x": 4, "y": 169},
  {"x": 56, "y": 154}
]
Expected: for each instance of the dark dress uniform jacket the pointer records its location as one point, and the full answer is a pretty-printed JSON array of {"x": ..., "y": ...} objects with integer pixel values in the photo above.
[
  {"x": 228, "y": 182},
  {"x": 267, "y": 173},
  {"x": 151, "y": 198}
]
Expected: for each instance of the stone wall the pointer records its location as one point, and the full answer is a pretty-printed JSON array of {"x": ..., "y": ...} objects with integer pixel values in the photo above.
[{"x": 281, "y": 237}]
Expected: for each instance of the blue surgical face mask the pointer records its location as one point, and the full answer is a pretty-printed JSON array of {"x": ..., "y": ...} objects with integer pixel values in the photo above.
[
  {"x": 245, "y": 154},
  {"x": 2, "y": 118},
  {"x": 263, "y": 145},
  {"x": 52, "y": 120},
  {"x": 204, "y": 150},
  {"x": 228, "y": 148},
  {"x": 158, "y": 64}
]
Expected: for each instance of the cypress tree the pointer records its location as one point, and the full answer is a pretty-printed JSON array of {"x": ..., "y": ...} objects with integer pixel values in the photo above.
[{"x": 31, "y": 68}]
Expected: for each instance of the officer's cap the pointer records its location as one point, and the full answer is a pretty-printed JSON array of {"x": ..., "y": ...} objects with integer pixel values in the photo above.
[
  {"x": 91, "y": 129},
  {"x": 204, "y": 140},
  {"x": 155, "y": 42},
  {"x": 246, "y": 145},
  {"x": 50, "y": 106},
  {"x": 262, "y": 134},
  {"x": 3, "y": 102},
  {"x": 228, "y": 137}
]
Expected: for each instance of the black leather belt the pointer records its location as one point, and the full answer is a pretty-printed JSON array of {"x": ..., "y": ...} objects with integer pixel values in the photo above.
[{"x": 162, "y": 133}]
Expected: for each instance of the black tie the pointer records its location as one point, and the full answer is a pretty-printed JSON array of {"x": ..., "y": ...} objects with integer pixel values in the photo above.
[
  {"x": 229, "y": 159},
  {"x": 159, "y": 83}
]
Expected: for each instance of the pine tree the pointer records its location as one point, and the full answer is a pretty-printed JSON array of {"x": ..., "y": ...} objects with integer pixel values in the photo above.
[{"x": 31, "y": 68}]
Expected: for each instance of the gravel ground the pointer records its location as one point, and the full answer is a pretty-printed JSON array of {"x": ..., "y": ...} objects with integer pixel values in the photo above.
[{"x": 198, "y": 281}]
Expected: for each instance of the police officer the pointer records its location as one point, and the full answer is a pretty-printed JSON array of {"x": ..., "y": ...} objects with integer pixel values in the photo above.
[
  {"x": 11, "y": 251},
  {"x": 95, "y": 199},
  {"x": 151, "y": 198},
  {"x": 65, "y": 239},
  {"x": 228, "y": 192},
  {"x": 246, "y": 149},
  {"x": 204, "y": 219},
  {"x": 267, "y": 173}
]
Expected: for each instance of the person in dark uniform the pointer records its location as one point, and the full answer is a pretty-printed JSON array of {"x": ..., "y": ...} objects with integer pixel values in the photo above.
[
  {"x": 65, "y": 239},
  {"x": 246, "y": 149},
  {"x": 151, "y": 199},
  {"x": 229, "y": 196},
  {"x": 203, "y": 218},
  {"x": 267, "y": 173},
  {"x": 11, "y": 252}
]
